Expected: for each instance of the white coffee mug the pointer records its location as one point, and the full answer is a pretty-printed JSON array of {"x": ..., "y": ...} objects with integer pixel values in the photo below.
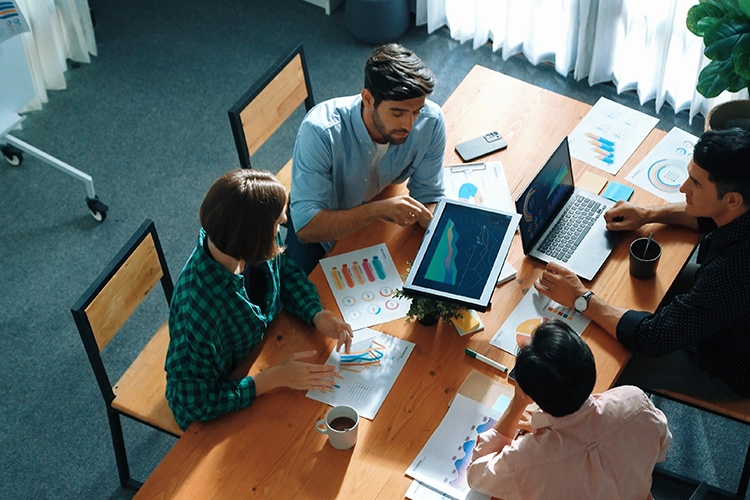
[{"x": 341, "y": 424}]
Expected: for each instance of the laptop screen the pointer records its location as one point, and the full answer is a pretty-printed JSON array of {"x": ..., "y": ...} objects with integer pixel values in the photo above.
[{"x": 545, "y": 195}]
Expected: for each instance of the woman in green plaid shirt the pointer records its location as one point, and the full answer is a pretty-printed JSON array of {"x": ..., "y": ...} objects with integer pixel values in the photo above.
[{"x": 218, "y": 315}]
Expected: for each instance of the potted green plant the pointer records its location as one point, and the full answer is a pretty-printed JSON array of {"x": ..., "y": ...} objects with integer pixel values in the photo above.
[
  {"x": 724, "y": 26},
  {"x": 428, "y": 311}
]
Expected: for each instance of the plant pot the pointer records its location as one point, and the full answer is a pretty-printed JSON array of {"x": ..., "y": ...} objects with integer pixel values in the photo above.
[
  {"x": 429, "y": 319},
  {"x": 728, "y": 115}
]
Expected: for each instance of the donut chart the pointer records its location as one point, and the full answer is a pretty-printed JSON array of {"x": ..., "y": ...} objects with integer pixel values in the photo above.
[{"x": 667, "y": 175}]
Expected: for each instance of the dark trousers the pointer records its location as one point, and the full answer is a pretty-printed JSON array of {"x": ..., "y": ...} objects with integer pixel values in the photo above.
[{"x": 305, "y": 255}]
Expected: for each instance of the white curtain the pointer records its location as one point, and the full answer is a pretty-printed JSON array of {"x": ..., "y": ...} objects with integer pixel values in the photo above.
[
  {"x": 60, "y": 30},
  {"x": 640, "y": 45}
]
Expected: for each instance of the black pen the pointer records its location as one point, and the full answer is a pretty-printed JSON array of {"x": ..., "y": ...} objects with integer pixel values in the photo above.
[{"x": 486, "y": 360}]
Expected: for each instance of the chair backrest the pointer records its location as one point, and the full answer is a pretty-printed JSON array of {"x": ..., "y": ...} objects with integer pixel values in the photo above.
[
  {"x": 118, "y": 291},
  {"x": 269, "y": 103}
]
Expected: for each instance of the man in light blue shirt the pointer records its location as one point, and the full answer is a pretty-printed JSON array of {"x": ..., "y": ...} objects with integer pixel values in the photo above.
[{"x": 349, "y": 149}]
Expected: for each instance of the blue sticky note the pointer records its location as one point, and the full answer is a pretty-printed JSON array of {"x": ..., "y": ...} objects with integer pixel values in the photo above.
[
  {"x": 616, "y": 191},
  {"x": 501, "y": 404}
]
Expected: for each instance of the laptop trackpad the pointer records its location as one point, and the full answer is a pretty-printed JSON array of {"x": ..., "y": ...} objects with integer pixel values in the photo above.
[{"x": 600, "y": 244}]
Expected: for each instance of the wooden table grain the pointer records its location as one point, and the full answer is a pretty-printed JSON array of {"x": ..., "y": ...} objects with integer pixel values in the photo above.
[{"x": 270, "y": 449}]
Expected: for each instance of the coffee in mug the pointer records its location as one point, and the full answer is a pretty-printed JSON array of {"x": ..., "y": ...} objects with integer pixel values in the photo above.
[{"x": 340, "y": 425}]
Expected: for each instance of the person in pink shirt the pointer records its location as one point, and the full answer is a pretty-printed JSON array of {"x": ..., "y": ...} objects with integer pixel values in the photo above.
[{"x": 576, "y": 445}]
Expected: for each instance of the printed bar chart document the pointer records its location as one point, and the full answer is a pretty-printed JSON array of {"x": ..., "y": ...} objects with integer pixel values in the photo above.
[
  {"x": 609, "y": 134},
  {"x": 363, "y": 283}
]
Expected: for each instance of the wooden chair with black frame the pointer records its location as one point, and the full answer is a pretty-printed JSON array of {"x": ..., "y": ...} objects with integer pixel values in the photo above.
[
  {"x": 100, "y": 314},
  {"x": 258, "y": 114}
]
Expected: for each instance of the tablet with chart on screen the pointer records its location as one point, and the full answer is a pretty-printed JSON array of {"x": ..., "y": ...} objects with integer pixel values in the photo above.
[{"x": 462, "y": 254}]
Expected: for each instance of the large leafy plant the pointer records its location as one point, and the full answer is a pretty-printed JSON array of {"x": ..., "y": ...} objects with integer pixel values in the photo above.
[{"x": 724, "y": 26}]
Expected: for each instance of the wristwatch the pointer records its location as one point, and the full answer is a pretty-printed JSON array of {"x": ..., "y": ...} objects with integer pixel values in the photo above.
[{"x": 582, "y": 302}]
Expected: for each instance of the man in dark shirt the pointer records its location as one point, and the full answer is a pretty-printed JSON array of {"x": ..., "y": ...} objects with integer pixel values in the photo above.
[{"x": 699, "y": 342}]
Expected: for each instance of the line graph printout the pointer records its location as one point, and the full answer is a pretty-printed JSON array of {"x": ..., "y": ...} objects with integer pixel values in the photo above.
[
  {"x": 444, "y": 459},
  {"x": 369, "y": 371},
  {"x": 362, "y": 283},
  {"x": 664, "y": 168},
  {"x": 609, "y": 134},
  {"x": 533, "y": 310}
]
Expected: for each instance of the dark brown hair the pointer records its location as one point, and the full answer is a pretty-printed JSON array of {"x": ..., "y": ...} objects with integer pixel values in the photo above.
[
  {"x": 725, "y": 155},
  {"x": 239, "y": 214},
  {"x": 395, "y": 73}
]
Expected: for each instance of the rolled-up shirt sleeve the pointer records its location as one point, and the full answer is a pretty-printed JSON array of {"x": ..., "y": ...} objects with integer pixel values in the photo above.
[
  {"x": 426, "y": 182},
  {"x": 312, "y": 181},
  {"x": 487, "y": 472}
]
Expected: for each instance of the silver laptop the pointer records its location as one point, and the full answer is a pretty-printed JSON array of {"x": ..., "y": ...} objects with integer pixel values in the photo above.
[{"x": 561, "y": 223}]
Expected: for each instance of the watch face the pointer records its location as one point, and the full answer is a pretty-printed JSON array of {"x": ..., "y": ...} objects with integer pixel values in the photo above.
[{"x": 581, "y": 304}]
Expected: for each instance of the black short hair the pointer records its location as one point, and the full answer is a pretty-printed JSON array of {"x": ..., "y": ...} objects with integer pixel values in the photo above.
[
  {"x": 395, "y": 73},
  {"x": 556, "y": 369},
  {"x": 725, "y": 155},
  {"x": 239, "y": 214}
]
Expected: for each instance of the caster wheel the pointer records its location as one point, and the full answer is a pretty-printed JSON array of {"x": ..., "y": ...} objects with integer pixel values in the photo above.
[
  {"x": 12, "y": 155},
  {"x": 97, "y": 208},
  {"x": 98, "y": 216}
]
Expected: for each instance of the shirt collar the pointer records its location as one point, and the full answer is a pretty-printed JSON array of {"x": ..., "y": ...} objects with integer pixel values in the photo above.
[
  {"x": 360, "y": 130},
  {"x": 210, "y": 265},
  {"x": 540, "y": 419},
  {"x": 725, "y": 236}
]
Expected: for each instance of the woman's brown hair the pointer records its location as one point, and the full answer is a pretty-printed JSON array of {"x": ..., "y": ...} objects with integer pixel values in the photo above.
[{"x": 240, "y": 211}]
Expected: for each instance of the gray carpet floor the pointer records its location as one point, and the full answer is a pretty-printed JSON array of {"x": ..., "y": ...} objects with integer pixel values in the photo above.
[{"x": 147, "y": 120}]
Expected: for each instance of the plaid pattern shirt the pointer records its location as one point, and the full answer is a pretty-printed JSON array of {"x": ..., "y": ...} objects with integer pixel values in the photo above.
[{"x": 213, "y": 326}]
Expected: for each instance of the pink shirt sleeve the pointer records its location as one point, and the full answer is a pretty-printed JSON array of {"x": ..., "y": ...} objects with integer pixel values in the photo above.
[{"x": 486, "y": 471}]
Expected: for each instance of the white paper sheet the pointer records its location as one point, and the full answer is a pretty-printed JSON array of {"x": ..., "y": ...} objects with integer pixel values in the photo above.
[
  {"x": 609, "y": 134},
  {"x": 362, "y": 283},
  {"x": 420, "y": 491},
  {"x": 664, "y": 169},
  {"x": 12, "y": 22},
  {"x": 369, "y": 371},
  {"x": 533, "y": 310},
  {"x": 482, "y": 184},
  {"x": 442, "y": 462}
]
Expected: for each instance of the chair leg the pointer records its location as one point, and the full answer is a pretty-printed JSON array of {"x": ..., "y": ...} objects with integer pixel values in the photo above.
[
  {"x": 118, "y": 442},
  {"x": 742, "y": 488},
  {"x": 701, "y": 492}
]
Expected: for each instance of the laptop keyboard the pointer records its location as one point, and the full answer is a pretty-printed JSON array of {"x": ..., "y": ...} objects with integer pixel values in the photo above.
[{"x": 571, "y": 228}]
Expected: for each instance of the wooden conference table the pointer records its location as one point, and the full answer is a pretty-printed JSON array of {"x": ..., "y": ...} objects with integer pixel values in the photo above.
[{"x": 270, "y": 450}]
